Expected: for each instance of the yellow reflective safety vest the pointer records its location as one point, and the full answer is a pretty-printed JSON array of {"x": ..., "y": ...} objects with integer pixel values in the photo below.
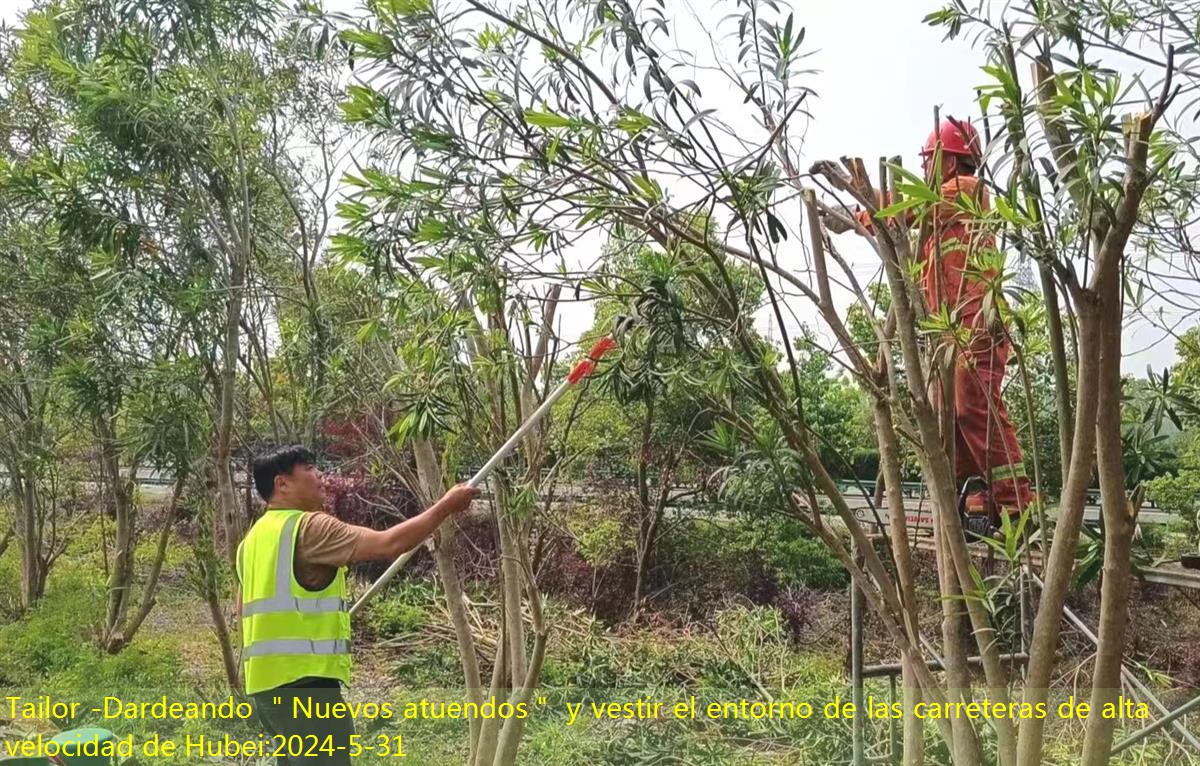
[{"x": 288, "y": 631}]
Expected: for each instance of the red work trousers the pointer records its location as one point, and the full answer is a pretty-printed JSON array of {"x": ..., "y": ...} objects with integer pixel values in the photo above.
[{"x": 985, "y": 439}]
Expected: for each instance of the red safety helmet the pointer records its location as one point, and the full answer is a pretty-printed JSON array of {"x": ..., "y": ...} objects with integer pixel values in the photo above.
[{"x": 956, "y": 137}]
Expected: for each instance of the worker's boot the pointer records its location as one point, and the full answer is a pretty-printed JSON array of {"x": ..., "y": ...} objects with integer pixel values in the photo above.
[
  {"x": 978, "y": 526},
  {"x": 976, "y": 510}
]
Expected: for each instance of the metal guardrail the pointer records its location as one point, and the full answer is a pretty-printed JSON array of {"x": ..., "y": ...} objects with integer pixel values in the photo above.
[
  {"x": 857, "y": 494},
  {"x": 1174, "y": 576},
  {"x": 151, "y": 478},
  {"x": 917, "y": 490},
  {"x": 913, "y": 490}
]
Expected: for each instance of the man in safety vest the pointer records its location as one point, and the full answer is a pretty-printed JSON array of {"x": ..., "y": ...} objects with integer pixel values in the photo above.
[
  {"x": 293, "y": 598},
  {"x": 985, "y": 439}
]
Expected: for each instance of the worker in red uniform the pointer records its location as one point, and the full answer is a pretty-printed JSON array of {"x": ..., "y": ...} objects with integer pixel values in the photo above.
[{"x": 985, "y": 439}]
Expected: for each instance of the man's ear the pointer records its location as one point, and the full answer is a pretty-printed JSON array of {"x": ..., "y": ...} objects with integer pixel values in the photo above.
[{"x": 280, "y": 481}]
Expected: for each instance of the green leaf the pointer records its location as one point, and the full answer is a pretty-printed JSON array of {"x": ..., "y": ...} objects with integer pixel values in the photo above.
[
  {"x": 546, "y": 119},
  {"x": 921, "y": 191},
  {"x": 363, "y": 104},
  {"x": 996, "y": 545},
  {"x": 775, "y": 228},
  {"x": 1018, "y": 533},
  {"x": 374, "y": 43},
  {"x": 404, "y": 429},
  {"x": 408, "y": 7},
  {"x": 632, "y": 121},
  {"x": 899, "y": 207},
  {"x": 1010, "y": 214},
  {"x": 367, "y": 332},
  {"x": 432, "y": 230},
  {"x": 432, "y": 139},
  {"x": 649, "y": 188}
]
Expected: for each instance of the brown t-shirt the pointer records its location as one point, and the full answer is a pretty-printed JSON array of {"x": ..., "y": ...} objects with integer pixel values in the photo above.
[{"x": 325, "y": 544}]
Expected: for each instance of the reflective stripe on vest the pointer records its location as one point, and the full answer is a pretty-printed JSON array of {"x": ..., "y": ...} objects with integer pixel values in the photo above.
[
  {"x": 288, "y": 631},
  {"x": 297, "y": 646},
  {"x": 291, "y": 604},
  {"x": 283, "y": 600}
]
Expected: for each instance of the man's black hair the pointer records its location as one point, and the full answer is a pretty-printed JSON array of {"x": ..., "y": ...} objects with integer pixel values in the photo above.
[
  {"x": 280, "y": 460},
  {"x": 967, "y": 166}
]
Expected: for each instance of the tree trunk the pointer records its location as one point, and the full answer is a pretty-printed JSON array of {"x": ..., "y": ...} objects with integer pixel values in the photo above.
[
  {"x": 938, "y": 471},
  {"x": 646, "y": 526},
  {"x": 889, "y": 464},
  {"x": 22, "y": 448},
  {"x": 32, "y": 578},
  {"x": 231, "y": 519},
  {"x": 1062, "y": 380},
  {"x": 896, "y": 255},
  {"x": 1099, "y": 314},
  {"x": 1119, "y": 516},
  {"x": 509, "y": 669},
  {"x": 150, "y": 592},
  {"x": 120, "y": 577},
  {"x": 954, "y": 619},
  {"x": 510, "y": 582},
  {"x": 513, "y": 672},
  {"x": 433, "y": 486},
  {"x": 648, "y": 544},
  {"x": 954, "y": 632},
  {"x": 221, "y": 628},
  {"x": 489, "y": 732},
  {"x": 514, "y": 728},
  {"x": 443, "y": 555},
  {"x": 1060, "y": 562}
]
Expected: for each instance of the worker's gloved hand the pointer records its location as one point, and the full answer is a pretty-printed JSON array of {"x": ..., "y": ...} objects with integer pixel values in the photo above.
[{"x": 458, "y": 498}]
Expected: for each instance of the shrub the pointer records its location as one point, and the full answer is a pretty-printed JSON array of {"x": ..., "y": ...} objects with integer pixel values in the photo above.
[
  {"x": 704, "y": 561},
  {"x": 590, "y": 562},
  {"x": 1177, "y": 495},
  {"x": 708, "y": 561},
  {"x": 368, "y": 501},
  {"x": 795, "y": 559},
  {"x": 797, "y": 606},
  {"x": 602, "y": 542}
]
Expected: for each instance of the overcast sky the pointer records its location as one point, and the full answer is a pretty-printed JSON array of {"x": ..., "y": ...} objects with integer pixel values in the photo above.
[{"x": 880, "y": 74}]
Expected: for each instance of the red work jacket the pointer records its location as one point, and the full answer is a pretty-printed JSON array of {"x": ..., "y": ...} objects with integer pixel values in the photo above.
[{"x": 946, "y": 253}]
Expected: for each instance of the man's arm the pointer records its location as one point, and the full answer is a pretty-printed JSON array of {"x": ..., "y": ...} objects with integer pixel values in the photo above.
[{"x": 388, "y": 544}]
